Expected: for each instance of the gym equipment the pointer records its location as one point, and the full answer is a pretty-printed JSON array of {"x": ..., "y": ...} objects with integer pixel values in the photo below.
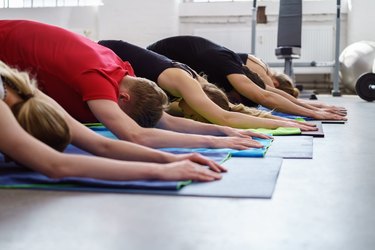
[
  {"x": 289, "y": 33},
  {"x": 289, "y": 41},
  {"x": 355, "y": 60},
  {"x": 336, "y": 85},
  {"x": 365, "y": 87}
]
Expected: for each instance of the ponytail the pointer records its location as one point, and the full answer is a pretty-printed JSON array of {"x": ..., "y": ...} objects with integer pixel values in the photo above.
[
  {"x": 220, "y": 98},
  {"x": 286, "y": 84},
  {"x": 35, "y": 115}
]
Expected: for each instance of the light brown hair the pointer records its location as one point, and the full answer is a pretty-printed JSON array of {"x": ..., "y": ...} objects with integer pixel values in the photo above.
[
  {"x": 220, "y": 98},
  {"x": 35, "y": 115},
  {"x": 147, "y": 103},
  {"x": 285, "y": 83}
]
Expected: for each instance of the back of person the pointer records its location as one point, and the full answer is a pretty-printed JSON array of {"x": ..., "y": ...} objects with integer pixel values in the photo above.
[
  {"x": 65, "y": 64},
  {"x": 203, "y": 56}
]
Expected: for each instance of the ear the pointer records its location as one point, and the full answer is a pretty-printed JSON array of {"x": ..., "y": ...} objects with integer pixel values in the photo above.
[{"x": 124, "y": 97}]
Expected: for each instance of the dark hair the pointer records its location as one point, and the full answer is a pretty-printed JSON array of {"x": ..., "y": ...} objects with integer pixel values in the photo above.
[{"x": 253, "y": 77}]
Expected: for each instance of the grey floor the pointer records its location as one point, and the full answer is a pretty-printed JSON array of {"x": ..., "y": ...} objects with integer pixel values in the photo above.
[{"x": 324, "y": 203}]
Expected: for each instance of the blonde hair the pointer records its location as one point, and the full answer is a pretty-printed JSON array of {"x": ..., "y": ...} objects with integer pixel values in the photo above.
[
  {"x": 35, "y": 115},
  {"x": 221, "y": 99},
  {"x": 285, "y": 83},
  {"x": 148, "y": 102}
]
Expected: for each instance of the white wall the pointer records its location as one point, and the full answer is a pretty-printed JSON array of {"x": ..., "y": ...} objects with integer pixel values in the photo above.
[
  {"x": 79, "y": 19},
  {"x": 141, "y": 22},
  {"x": 361, "y": 20}
]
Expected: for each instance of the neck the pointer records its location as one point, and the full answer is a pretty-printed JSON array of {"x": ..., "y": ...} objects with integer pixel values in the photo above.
[{"x": 125, "y": 83}]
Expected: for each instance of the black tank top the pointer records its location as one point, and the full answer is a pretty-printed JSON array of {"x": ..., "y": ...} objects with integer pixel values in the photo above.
[{"x": 203, "y": 56}]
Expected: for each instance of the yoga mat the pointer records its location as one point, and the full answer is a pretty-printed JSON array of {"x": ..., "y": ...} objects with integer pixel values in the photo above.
[
  {"x": 290, "y": 116},
  {"x": 15, "y": 176},
  {"x": 317, "y": 133},
  {"x": 252, "y": 152},
  {"x": 278, "y": 131},
  {"x": 291, "y": 147},
  {"x": 247, "y": 178}
]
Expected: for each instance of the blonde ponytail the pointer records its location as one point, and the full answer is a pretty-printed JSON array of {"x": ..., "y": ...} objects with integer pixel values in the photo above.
[
  {"x": 285, "y": 84},
  {"x": 249, "y": 111},
  {"x": 35, "y": 115},
  {"x": 220, "y": 98}
]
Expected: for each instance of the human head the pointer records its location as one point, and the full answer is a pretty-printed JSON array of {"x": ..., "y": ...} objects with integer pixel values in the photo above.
[
  {"x": 284, "y": 83},
  {"x": 142, "y": 100},
  {"x": 34, "y": 114}
]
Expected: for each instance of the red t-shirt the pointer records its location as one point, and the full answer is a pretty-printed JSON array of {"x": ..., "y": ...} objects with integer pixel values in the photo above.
[{"x": 68, "y": 67}]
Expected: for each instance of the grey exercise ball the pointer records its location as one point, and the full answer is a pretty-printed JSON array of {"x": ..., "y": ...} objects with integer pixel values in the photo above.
[{"x": 355, "y": 60}]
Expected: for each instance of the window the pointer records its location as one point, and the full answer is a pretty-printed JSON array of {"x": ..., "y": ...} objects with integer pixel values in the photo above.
[{"x": 47, "y": 3}]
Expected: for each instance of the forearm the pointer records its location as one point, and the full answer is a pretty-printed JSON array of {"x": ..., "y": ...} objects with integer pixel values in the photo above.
[
  {"x": 245, "y": 121},
  {"x": 159, "y": 138},
  {"x": 122, "y": 150},
  {"x": 279, "y": 103},
  {"x": 184, "y": 125},
  {"x": 291, "y": 98},
  {"x": 102, "y": 168}
]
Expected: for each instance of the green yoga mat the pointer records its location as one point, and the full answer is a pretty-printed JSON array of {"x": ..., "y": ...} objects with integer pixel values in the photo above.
[{"x": 278, "y": 131}]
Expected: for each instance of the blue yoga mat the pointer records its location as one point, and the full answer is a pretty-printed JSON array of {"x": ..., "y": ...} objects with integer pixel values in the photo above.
[
  {"x": 290, "y": 116},
  {"x": 285, "y": 115},
  {"x": 252, "y": 152},
  {"x": 15, "y": 176},
  {"x": 246, "y": 178}
]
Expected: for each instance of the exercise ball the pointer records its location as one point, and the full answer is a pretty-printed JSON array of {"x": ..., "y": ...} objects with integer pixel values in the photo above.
[{"x": 355, "y": 60}]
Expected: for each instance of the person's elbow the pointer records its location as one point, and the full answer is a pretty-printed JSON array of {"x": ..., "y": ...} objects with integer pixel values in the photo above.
[
  {"x": 265, "y": 98},
  {"x": 57, "y": 171},
  {"x": 58, "y": 168},
  {"x": 139, "y": 137}
]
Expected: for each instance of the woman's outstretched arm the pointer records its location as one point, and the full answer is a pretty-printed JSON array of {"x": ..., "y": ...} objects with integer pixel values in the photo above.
[
  {"x": 26, "y": 150},
  {"x": 179, "y": 83},
  {"x": 272, "y": 100}
]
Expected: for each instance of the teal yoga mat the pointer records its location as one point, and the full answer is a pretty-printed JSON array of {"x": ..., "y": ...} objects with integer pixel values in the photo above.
[{"x": 252, "y": 152}]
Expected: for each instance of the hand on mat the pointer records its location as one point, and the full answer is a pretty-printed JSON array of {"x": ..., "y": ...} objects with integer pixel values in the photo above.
[
  {"x": 301, "y": 125},
  {"x": 323, "y": 115},
  {"x": 330, "y": 108},
  {"x": 335, "y": 110},
  {"x": 304, "y": 123},
  {"x": 246, "y": 133},
  {"x": 187, "y": 170},
  {"x": 202, "y": 160},
  {"x": 235, "y": 143}
]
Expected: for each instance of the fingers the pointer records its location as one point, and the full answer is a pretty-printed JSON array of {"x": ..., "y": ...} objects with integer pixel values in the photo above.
[
  {"x": 212, "y": 164},
  {"x": 216, "y": 167},
  {"x": 338, "y": 117},
  {"x": 306, "y": 123},
  {"x": 202, "y": 160},
  {"x": 203, "y": 174},
  {"x": 259, "y": 135},
  {"x": 246, "y": 144},
  {"x": 308, "y": 128}
]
